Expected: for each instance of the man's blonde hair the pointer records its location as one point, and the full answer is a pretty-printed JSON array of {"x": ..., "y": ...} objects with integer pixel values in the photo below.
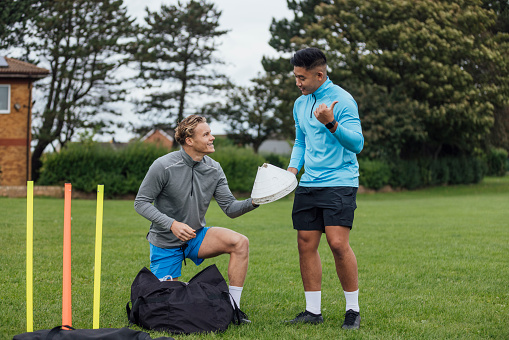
[{"x": 186, "y": 128}]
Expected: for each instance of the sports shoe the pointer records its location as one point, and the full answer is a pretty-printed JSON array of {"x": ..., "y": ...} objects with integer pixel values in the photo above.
[
  {"x": 307, "y": 317},
  {"x": 352, "y": 320}
]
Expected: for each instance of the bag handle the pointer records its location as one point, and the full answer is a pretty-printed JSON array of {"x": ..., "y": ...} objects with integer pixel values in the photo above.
[
  {"x": 56, "y": 330},
  {"x": 133, "y": 314},
  {"x": 236, "y": 309}
]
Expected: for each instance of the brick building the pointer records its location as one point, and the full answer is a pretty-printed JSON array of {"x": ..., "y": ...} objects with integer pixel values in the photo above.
[{"x": 16, "y": 79}]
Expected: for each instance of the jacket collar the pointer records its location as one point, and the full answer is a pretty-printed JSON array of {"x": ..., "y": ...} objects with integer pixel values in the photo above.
[
  {"x": 323, "y": 88},
  {"x": 187, "y": 159}
]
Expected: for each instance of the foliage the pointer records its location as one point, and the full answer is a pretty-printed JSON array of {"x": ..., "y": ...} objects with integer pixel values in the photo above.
[
  {"x": 79, "y": 41},
  {"x": 374, "y": 174},
  {"x": 249, "y": 114},
  {"x": 412, "y": 174},
  {"x": 279, "y": 72},
  {"x": 87, "y": 165},
  {"x": 435, "y": 66},
  {"x": 177, "y": 47},
  {"x": 429, "y": 76},
  {"x": 240, "y": 166},
  {"x": 497, "y": 162},
  {"x": 427, "y": 246},
  {"x": 14, "y": 17}
]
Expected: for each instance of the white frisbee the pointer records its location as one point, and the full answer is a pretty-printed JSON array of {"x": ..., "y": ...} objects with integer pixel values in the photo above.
[{"x": 272, "y": 183}]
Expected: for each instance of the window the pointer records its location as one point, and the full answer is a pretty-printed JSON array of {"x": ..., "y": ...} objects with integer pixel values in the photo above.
[{"x": 5, "y": 99}]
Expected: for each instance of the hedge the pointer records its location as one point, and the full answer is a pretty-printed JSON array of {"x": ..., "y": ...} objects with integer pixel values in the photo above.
[
  {"x": 122, "y": 171},
  {"x": 413, "y": 174},
  {"x": 87, "y": 165},
  {"x": 497, "y": 162}
]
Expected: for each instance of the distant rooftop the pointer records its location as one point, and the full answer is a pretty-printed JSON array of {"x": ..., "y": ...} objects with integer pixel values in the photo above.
[{"x": 20, "y": 69}]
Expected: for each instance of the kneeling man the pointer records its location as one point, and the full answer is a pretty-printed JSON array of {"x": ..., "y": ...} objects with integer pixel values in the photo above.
[{"x": 181, "y": 185}]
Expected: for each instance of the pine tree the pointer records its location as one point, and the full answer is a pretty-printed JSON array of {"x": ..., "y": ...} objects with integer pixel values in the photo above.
[{"x": 176, "y": 53}]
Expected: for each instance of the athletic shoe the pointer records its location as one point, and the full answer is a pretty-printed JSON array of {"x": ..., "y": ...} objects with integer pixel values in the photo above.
[
  {"x": 307, "y": 317},
  {"x": 352, "y": 320}
]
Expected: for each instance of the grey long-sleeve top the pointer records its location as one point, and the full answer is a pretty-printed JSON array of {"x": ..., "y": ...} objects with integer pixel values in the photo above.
[{"x": 181, "y": 189}]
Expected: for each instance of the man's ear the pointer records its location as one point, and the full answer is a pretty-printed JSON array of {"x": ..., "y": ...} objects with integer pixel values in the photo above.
[
  {"x": 189, "y": 141},
  {"x": 320, "y": 75}
]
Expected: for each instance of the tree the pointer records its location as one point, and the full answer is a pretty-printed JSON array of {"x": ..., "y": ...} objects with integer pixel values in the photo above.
[
  {"x": 279, "y": 70},
  {"x": 499, "y": 135},
  {"x": 79, "y": 41},
  {"x": 427, "y": 74},
  {"x": 14, "y": 17},
  {"x": 176, "y": 55},
  {"x": 249, "y": 113}
]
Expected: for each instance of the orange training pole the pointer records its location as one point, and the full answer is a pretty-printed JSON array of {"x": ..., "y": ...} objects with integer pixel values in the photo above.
[{"x": 66, "y": 282}]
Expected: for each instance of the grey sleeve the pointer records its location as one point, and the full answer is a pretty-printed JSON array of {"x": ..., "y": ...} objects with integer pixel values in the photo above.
[
  {"x": 230, "y": 205},
  {"x": 150, "y": 188}
]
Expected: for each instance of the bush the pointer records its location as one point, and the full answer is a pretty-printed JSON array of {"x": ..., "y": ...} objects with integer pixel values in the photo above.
[
  {"x": 496, "y": 161},
  {"x": 90, "y": 164},
  {"x": 374, "y": 174},
  {"x": 406, "y": 174},
  {"x": 240, "y": 166}
]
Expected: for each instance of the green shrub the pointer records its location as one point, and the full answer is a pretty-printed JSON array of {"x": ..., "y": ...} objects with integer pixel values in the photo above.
[
  {"x": 240, "y": 166},
  {"x": 497, "y": 162},
  {"x": 87, "y": 165},
  {"x": 277, "y": 160},
  {"x": 374, "y": 174},
  {"x": 465, "y": 170},
  {"x": 406, "y": 174}
]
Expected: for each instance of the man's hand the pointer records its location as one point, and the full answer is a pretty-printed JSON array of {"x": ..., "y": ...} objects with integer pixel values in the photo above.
[
  {"x": 293, "y": 171},
  {"x": 182, "y": 231},
  {"x": 325, "y": 114}
]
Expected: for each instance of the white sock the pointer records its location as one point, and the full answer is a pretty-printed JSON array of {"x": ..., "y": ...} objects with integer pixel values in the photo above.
[
  {"x": 352, "y": 300},
  {"x": 235, "y": 293},
  {"x": 314, "y": 302}
]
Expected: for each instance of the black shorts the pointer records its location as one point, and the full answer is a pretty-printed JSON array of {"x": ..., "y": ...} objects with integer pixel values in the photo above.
[{"x": 315, "y": 208}]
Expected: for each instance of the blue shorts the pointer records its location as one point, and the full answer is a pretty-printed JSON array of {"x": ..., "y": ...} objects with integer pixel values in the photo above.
[{"x": 166, "y": 263}]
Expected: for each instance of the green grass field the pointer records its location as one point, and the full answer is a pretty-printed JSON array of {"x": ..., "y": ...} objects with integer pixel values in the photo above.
[{"x": 433, "y": 264}]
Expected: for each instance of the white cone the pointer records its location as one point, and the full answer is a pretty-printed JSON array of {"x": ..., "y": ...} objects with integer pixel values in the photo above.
[{"x": 272, "y": 183}]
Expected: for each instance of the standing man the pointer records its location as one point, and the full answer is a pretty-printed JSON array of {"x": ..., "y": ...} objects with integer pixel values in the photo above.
[
  {"x": 328, "y": 137},
  {"x": 181, "y": 185}
]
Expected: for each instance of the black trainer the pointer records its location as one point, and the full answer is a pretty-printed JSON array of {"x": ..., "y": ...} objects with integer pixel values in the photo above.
[
  {"x": 307, "y": 317},
  {"x": 352, "y": 320}
]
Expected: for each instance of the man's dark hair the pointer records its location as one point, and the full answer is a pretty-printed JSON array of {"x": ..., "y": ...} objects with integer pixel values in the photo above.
[{"x": 309, "y": 58}]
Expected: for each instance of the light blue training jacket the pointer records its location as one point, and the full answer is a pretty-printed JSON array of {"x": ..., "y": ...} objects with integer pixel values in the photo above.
[{"x": 329, "y": 159}]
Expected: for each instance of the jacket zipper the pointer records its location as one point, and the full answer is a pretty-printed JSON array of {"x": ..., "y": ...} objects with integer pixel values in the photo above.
[{"x": 312, "y": 107}]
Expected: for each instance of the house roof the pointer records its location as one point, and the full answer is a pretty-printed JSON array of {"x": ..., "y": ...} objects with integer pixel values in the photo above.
[
  {"x": 167, "y": 135},
  {"x": 20, "y": 69}
]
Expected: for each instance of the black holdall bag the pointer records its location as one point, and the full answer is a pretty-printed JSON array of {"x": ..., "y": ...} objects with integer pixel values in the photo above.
[
  {"x": 70, "y": 333},
  {"x": 201, "y": 305}
]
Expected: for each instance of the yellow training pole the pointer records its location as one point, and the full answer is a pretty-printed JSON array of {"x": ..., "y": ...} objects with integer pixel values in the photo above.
[
  {"x": 98, "y": 247},
  {"x": 66, "y": 281},
  {"x": 30, "y": 256}
]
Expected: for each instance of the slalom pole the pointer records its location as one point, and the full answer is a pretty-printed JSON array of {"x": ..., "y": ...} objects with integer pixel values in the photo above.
[
  {"x": 30, "y": 256},
  {"x": 98, "y": 247},
  {"x": 66, "y": 282}
]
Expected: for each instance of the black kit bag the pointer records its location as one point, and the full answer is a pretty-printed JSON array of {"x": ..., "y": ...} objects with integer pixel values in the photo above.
[
  {"x": 201, "y": 305},
  {"x": 70, "y": 333}
]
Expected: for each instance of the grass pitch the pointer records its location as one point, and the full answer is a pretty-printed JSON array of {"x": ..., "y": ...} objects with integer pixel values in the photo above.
[{"x": 433, "y": 264}]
